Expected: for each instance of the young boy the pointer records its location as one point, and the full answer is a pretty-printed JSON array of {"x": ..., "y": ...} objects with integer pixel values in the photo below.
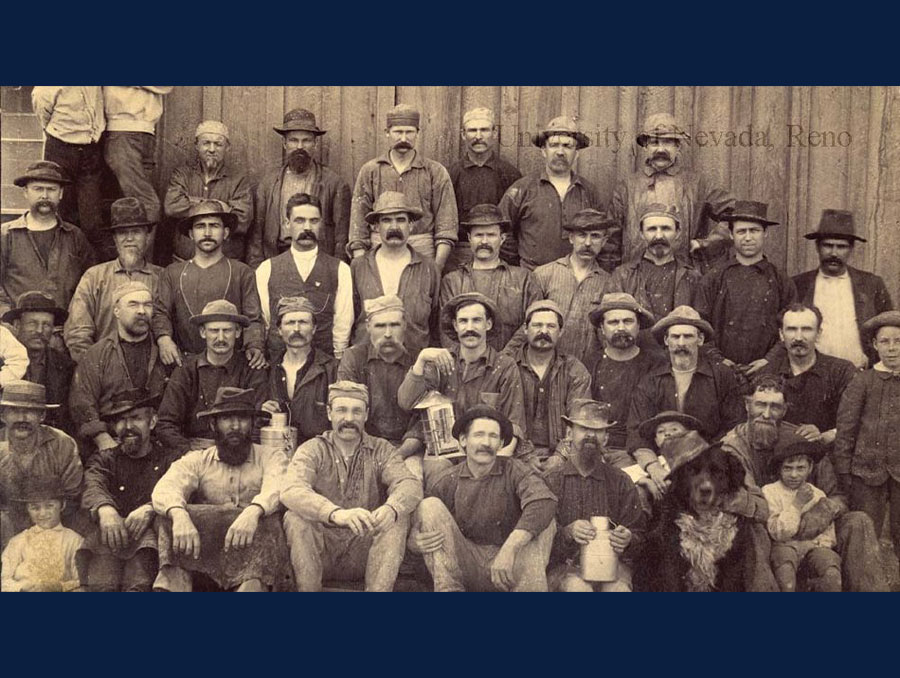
[
  {"x": 665, "y": 425},
  {"x": 867, "y": 446},
  {"x": 789, "y": 498},
  {"x": 42, "y": 558}
]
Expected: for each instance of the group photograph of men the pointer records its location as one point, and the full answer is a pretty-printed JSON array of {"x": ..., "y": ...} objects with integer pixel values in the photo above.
[{"x": 596, "y": 339}]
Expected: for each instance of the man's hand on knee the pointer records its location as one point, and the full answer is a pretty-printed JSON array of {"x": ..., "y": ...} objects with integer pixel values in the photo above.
[
  {"x": 240, "y": 534},
  {"x": 384, "y": 518},
  {"x": 359, "y": 520},
  {"x": 185, "y": 538},
  {"x": 426, "y": 542}
]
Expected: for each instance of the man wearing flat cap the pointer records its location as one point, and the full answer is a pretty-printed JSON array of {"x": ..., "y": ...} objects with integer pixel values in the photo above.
[
  {"x": 486, "y": 523},
  {"x": 481, "y": 177},
  {"x": 395, "y": 267},
  {"x": 512, "y": 288},
  {"x": 551, "y": 380},
  {"x": 33, "y": 319},
  {"x": 123, "y": 360},
  {"x": 540, "y": 205},
  {"x": 663, "y": 177},
  {"x": 209, "y": 175},
  {"x": 349, "y": 497},
  {"x": 300, "y": 172},
  {"x": 185, "y": 287},
  {"x": 576, "y": 281},
  {"x": 218, "y": 506},
  {"x": 193, "y": 385},
  {"x": 39, "y": 251},
  {"x": 425, "y": 183},
  {"x": 91, "y": 309},
  {"x": 298, "y": 384}
]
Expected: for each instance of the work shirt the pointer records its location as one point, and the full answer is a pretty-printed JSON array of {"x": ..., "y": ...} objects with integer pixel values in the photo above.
[
  {"x": 200, "y": 477},
  {"x": 537, "y": 215},
  {"x": 510, "y": 497},
  {"x": 319, "y": 480},
  {"x": 614, "y": 382},
  {"x": 659, "y": 289},
  {"x": 91, "y": 310},
  {"x": 307, "y": 404},
  {"x": 69, "y": 113},
  {"x": 426, "y": 185},
  {"x": 134, "y": 108},
  {"x": 480, "y": 184},
  {"x": 54, "y": 369}
]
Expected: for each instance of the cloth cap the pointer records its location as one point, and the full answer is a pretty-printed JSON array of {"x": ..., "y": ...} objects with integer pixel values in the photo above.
[
  {"x": 403, "y": 114},
  {"x": 35, "y": 300},
  {"x": 388, "y": 302},
  {"x": 682, "y": 315},
  {"x": 211, "y": 127},
  {"x": 348, "y": 389},
  {"x": 128, "y": 212},
  {"x": 43, "y": 170},
  {"x": 589, "y": 219},
  {"x": 657, "y": 209},
  {"x": 621, "y": 301},
  {"x": 293, "y": 305},
  {"x": 561, "y": 125},
  {"x": 663, "y": 126},
  {"x": 392, "y": 202},
  {"x": 130, "y": 288},
  {"x": 220, "y": 310},
  {"x": 544, "y": 305},
  {"x": 478, "y": 114},
  {"x": 835, "y": 224},
  {"x": 21, "y": 393},
  {"x": 589, "y": 413}
]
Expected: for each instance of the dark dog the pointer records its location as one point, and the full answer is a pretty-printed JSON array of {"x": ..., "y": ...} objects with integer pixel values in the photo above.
[{"x": 696, "y": 546}]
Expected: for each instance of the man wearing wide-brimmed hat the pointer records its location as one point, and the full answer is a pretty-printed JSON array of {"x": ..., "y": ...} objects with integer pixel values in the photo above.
[
  {"x": 299, "y": 173},
  {"x": 33, "y": 319},
  {"x": 40, "y": 251},
  {"x": 218, "y": 505},
  {"x": 344, "y": 527},
  {"x": 395, "y": 267},
  {"x": 122, "y": 360},
  {"x": 742, "y": 294},
  {"x": 846, "y": 296},
  {"x": 576, "y": 281},
  {"x": 91, "y": 309},
  {"x": 512, "y": 288},
  {"x": 586, "y": 485},
  {"x": 663, "y": 177},
  {"x": 31, "y": 449},
  {"x": 425, "y": 183},
  {"x": 210, "y": 175},
  {"x": 481, "y": 177},
  {"x": 185, "y": 287},
  {"x": 194, "y": 384},
  {"x": 540, "y": 205}
]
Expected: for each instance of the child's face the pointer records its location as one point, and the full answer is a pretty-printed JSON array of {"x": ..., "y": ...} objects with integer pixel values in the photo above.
[
  {"x": 45, "y": 513},
  {"x": 669, "y": 429},
  {"x": 887, "y": 343},
  {"x": 795, "y": 470}
]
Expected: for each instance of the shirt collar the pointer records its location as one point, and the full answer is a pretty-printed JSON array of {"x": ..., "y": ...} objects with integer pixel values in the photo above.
[
  {"x": 489, "y": 356},
  {"x": 203, "y": 361},
  {"x": 417, "y": 161},
  {"x": 598, "y": 472},
  {"x": 496, "y": 469},
  {"x": 883, "y": 371},
  {"x": 220, "y": 173},
  {"x": 575, "y": 178},
  {"x": 304, "y": 257},
  {"x": 118, "y": 268},
  {"x": 843, "y": 276},
  {"x": 665, "y": 367},
  {"x": 37, "y": 529},
  {"x": 404, "y": 359},
  {"x": 490, "y": 162}
]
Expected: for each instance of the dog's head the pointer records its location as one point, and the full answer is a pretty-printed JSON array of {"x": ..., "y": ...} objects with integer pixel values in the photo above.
[{"x": 703, "y": 484}]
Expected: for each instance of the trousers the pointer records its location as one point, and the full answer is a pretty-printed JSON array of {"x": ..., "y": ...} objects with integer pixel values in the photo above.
[
  {"x": 823, "y": 566},
  {"x": 131, "y": 157},
  {"x": 106, "y": 572},
  {"x": 875, "y": 501}
]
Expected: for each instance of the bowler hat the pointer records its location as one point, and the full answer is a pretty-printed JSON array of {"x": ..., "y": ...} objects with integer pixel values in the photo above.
[
  {"x": 37, "y": 301},
  {"x": 485, "y": 215},
  {"x": 662, "y": 126},
  {"x": 209, "y": 207},
  {"x": 748, "y": 210},
  {"x": 126, "y": 401},
  {"x": 392, "y": 202},
  {"x": 590, "y": 220},
  {"x": 128, "y": 212},
  {"x": 299, "y": 120},
  {"x": 790, "y": 444},
  {"x": 562, "y": 125},
  {"x": 220, "y": 310},
  {"x": 484, "y": 412},
  {"x": 647, "y": 428},
  {"x": 835, "y": 224},
  {"x": 25, "y": 394},
  {"x": 681, "y": 315},
  {"x": 589, "y": 414},
  {"x": 43, "y": 170},
  {"x": 621, "y": 301},
  {"x": 233, "y": 400}
]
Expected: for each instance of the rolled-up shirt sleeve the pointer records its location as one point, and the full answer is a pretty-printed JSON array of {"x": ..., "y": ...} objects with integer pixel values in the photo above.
[
  {"x": 404, "y": 489},
  {"x": 273, "y": 464},
  {"x": 178, "y": 484},
  {"x": 343, "y": 310},
  {"x": 446, "y": 218},
  {"x": 297, "y": 492},
  {"x": 537, "y": 501}
]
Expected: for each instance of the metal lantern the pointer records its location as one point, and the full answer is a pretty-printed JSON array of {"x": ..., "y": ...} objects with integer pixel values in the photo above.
[{"x": 436, "y": 412}]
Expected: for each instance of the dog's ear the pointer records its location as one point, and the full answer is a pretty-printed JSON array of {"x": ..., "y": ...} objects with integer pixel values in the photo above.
[{"x": 736, "y": 472}]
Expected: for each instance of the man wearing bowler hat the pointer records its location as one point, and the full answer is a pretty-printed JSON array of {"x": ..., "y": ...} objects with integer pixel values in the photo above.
[
  {"x": 486, "y": 523},
  {"x": 39, "y": 251},
  {"x": 209, "y": 175},
  {"x": 585, "y": 486},
  {"x": 425, "y": 183},
  {"x": 541, "y": 204},
  {"x": 185, "y": 287},
  {"x": 270, "y": 233},
  {"x": 91, "y": 309},
  {"x": 663, "y": 177},
  {"x": 512, "y": 288}
]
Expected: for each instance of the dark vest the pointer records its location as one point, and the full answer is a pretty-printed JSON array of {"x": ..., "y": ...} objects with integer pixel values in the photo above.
[{"x": 320, "y": 288}]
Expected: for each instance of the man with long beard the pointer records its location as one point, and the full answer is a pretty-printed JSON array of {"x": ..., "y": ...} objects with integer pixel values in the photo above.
[
  {"x": 91, "y": 309},
  {"x": 229, "y": 530},
  {"x": 270, "y": 233}
]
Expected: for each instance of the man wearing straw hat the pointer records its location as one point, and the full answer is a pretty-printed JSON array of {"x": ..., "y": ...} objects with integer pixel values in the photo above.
[
  {"x": 586, "y": 486},
  {"x": 349, "y": 496},
  {"x": 425, "y": 183},
  {"x": 218, "y": 506},
  {"x": 194, "y": 385}
]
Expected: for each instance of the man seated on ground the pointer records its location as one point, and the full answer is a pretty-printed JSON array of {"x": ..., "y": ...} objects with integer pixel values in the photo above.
[
  {"x": 487, "y": 523},
  {"x": 341, "y": 529},
  {"x": 218, "y": 506}
]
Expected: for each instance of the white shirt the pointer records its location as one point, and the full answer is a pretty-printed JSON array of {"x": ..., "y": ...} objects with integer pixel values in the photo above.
[
  {"x": 343, "y": 299},
  {"x": 13, "y": 358},
  {"x": 840, "y": 333}
]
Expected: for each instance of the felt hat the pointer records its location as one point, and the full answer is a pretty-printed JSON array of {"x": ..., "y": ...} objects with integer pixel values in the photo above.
[
  {"x": 484, "y": 412},
  {"x": 647, "y": 428},
  {"x": 293, "y": 305},
  {"x": 448, "y": 311},
  {"x": 662, "y": 126},
  {"x": 561, "y": 126},
  {"x": 681, "y": 315},
  {"x": 35, "y": 300},
  {"x": 126, "y": 213},
  {"x": 43, "y": 170},
  {"x": 388, "y": 302},
  {"x": 25, "y": 394},
  {"x": 885, "y": 319},
  {"x": 485, "y": 215},
  {"x": 220, "y": 310},
  {"x": 39, "y": 488},
  {"x": 126, "y": 401},
  {"x": 748, "y": 210},
  {"x": 393, "y": 202},
  {"x": 589, "y": 413},
  {"x": 544, "y": 305},
  {"x": 348, "y": 389},
  {"x": 233, "y": 400},
  {"x": 682, "y": 450},
  {"x": 657, "y": 209},
  {"x": 130, "y": 288},
  {"x": 402, "y": 114},
  {"x": 211, "y": 127},
  {"x": 621, "y": 301},
  {"x": 209, "y": 207},
  {"x": 589, "y": 219},
  {"x": 835, "y": 224},
  {"x": 299, "y": 120},
  {"x": 790, "y": 444}
]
